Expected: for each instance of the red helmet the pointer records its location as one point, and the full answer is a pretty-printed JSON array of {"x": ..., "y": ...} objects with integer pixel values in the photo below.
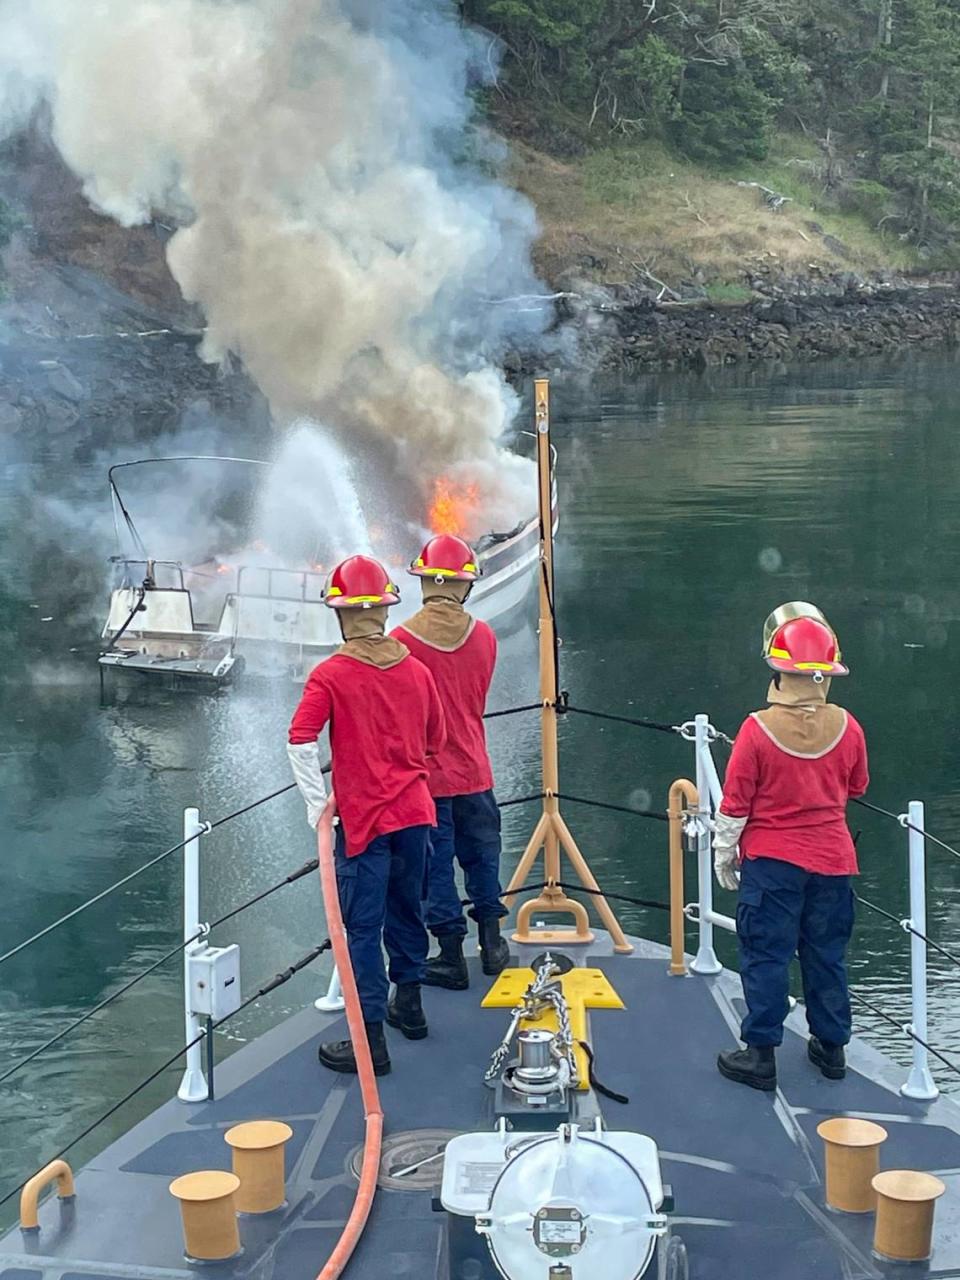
[
  {"x": 798, "y": 639},
  {"x": 360, "y": 583},
  {"x": 448, "y": 559}
]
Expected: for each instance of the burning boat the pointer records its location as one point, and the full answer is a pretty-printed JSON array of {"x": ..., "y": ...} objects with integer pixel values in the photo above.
[{"x": 202, "y": 624}]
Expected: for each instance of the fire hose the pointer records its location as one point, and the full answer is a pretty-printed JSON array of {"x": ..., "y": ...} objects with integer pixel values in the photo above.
[{"x": 372, "y": 1111}]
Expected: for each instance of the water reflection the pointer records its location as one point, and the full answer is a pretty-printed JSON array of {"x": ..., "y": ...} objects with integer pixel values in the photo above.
[{"x": 699, "y": 505}]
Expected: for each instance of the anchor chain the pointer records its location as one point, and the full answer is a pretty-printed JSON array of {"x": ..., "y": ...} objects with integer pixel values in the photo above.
[{"x": 541, "y": 991}]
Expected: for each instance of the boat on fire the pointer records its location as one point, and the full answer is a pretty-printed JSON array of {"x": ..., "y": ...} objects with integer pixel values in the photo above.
[{"x": 203, "y": 624}]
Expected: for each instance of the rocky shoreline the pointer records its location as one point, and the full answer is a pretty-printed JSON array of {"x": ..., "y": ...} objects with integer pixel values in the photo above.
[{"x": 619, "y": 331}]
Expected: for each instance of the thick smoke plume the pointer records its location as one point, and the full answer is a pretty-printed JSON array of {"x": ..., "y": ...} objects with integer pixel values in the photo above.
[{"x": 336, "y": 223}]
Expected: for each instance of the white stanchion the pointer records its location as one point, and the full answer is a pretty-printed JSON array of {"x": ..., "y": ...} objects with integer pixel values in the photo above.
[
  {"x": 705, "y": 961},
  {"x": 919, "y": 1083},
  {"x": 333, "y": 1001},
  {"x": 193, "y": 1086}
]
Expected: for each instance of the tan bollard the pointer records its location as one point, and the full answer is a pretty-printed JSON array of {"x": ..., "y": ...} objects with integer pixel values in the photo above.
[
  {"x": 905, "y": 1204},
  {"x": 258, "y": 1163},
  {"x": 209, "y": 1211},
  {"x": 852, "y": 1158}
]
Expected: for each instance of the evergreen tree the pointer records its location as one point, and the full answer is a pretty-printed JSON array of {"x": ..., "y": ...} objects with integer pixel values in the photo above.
[{"x": 877, "y": 81}]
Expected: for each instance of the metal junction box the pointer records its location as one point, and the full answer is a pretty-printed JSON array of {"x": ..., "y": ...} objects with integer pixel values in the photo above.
[{"x": 214, "y": 975}]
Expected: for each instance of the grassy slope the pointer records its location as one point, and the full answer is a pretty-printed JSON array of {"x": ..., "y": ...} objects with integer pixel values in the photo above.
[{"x": 642, "y": 205}]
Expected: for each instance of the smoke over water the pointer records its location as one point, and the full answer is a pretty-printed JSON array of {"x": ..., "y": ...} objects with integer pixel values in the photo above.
[{"x": 335, "y": 221}]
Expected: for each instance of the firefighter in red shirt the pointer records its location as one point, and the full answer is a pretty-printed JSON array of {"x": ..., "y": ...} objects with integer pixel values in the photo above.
[
  {"x": 460, "y": 652},
  {"x": 386, "y": 723},
  {"x": 782, "y": 838}
]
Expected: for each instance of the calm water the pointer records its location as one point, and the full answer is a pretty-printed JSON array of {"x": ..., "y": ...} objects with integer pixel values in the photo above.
[{"x": 690, "y": 508}]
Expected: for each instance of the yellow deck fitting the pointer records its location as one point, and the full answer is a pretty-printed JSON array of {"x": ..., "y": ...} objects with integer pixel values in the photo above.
[
  {"x": 903, "y": 1231},
  {"x": 258, "y": 1162},
  {"x": 57, "y": 1171},
  {"x": 583, "y": 989},
  {"x": 209, "y": 1212},
  {"x": 852, "y": 1160}
]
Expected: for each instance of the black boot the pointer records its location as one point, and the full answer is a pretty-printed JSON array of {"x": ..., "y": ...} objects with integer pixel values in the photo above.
[
  {"x": 448, "y": 969},
  {"x": 756, "y": 1065},
  {"x": 494, "y": 948},
  {"x": 830, "y": 1058},
  {"x": 338, "y": 1055},
  {"x": 406, "y": 1012}
]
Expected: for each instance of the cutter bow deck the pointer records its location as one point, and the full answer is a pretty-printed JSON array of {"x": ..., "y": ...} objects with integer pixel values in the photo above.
[{"x": 746, "y": 1170}]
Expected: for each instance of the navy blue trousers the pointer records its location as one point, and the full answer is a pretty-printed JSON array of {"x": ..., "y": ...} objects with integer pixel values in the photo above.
[
  {"x": 468, "y": 829},
  {"x": 784, "y": 911},
  {"x": 381, "y": 898}
]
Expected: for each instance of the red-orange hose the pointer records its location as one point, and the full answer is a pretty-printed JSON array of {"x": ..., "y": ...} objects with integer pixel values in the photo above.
[{"x": 372, "y": 1111}]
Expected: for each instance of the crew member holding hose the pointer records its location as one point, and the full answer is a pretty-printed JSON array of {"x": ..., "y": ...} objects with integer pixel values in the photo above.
[
  {"x": 460, "y": 653},
  {"x": 386, "y": 724},
  {"x": 782, "y": 838}
]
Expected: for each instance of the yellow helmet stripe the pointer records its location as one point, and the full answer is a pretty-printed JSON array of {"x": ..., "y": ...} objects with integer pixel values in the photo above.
[
  {"x": 814, "y": 666},
  {"x": 779, "y": 653}
]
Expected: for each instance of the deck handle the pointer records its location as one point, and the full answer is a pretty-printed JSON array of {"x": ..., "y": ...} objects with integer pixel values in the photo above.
[{"x": 58, "y": 1171}]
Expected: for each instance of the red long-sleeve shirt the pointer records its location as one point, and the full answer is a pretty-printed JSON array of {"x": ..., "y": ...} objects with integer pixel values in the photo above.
[
  {"x": 385, "y": 725},
  {"x": 796, "y": 805},
  {"x": 463, "y": 677}
]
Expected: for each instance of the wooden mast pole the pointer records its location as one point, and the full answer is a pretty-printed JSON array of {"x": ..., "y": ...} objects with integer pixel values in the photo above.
[{"x": 551, "y": 833}]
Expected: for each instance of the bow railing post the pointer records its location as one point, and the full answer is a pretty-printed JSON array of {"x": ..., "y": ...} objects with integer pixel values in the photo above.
[
  {"x": 705, "y": 961},
  {"x": 333, "y": 1001},
  {"x": 193, "y": 1086},
  {"x": 919, "y": 1083}
]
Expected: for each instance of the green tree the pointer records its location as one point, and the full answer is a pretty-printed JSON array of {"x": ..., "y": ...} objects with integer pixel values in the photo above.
[
  {"x": 927, "y": 53},
  {"x": 724, "y": 117},
  {"x": 875, "y": 82}
]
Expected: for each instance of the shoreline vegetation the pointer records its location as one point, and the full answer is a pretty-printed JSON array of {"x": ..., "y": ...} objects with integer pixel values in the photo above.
[{"x": 716, "y": 182}]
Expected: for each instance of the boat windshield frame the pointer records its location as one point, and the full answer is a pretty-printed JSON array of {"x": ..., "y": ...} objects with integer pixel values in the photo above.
[{"x": 120, "y": 508}]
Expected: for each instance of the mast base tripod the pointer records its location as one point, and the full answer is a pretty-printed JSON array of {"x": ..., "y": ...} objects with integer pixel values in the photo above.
[{"x": 551, "y": 834}]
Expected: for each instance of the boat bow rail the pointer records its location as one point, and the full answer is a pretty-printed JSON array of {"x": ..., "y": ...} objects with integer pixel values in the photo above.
[{"x": 695, "y": 819}]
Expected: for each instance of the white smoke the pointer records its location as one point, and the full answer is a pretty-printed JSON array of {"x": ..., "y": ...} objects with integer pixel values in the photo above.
[{"x": 336, "y": 225}]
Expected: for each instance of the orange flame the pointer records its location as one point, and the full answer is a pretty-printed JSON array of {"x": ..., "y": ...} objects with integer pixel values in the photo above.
[
  {"x": 453, "y": 506},
  {"x": 224, "y": 568}
]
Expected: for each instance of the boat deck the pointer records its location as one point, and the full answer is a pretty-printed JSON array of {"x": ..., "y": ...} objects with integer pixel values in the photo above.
[{"x": 746, "y": 1168}]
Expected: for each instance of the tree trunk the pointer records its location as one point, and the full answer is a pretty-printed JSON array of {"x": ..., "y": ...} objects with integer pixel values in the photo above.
[{"x": 884, "y": 40}]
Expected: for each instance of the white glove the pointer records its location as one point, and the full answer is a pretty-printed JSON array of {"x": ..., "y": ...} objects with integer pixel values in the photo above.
[
  {"x": 305, "y": 763},
  {"x": 726, "y": 850}
]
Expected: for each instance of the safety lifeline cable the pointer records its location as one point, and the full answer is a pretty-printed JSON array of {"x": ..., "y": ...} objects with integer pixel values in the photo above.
[{"x": 372, "y": 1111}]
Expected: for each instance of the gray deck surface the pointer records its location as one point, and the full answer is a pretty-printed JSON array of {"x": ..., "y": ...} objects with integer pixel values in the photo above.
[{"x": 746, "y": 1168}]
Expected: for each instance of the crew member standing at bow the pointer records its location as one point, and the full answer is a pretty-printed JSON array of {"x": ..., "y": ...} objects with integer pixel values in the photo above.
[
  {"x": 781, "y": 836},
  {"x": 460, "y": 652},
  {"x": 386, "y": 724}
]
